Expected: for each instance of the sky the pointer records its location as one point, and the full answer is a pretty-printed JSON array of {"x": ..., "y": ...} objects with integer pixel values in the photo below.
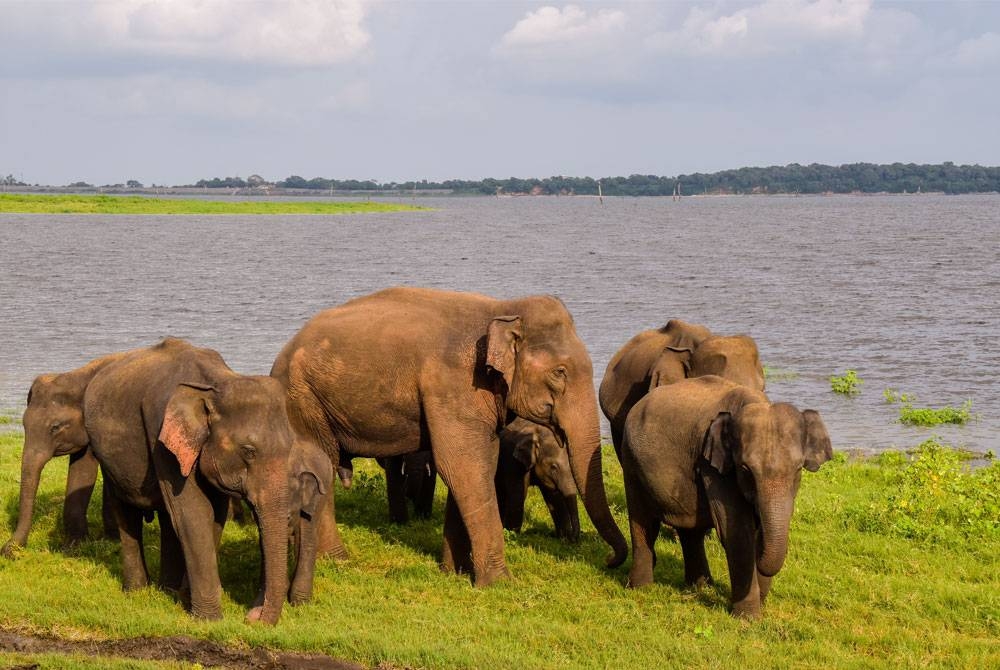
[{"x": 169, "y": 92}]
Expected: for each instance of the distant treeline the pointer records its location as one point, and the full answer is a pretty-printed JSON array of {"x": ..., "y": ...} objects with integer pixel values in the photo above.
[{"x": 788, "y": 179}]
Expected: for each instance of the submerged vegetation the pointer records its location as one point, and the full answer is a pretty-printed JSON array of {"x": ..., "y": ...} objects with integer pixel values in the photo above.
[
  {"x": 107, "y": 204},
  {"x": 773, "y": 374},
  {"x": 927, "y": 416},
  {"x": 869, "y": 582},
  {"x": 847, "y": 384}
]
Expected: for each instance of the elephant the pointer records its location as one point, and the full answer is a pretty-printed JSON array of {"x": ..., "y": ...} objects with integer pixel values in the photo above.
[
  {"x": 309, "y": 474},
  {"x": 679, "y": 350},
  {"x": 410, "y": 477},
  {"x": 408, "y": 369},
  {"x": 177, "y": 431},
  {"x": 708, "y": 453},
  {"x": 531, "y": 455},
  {"x": 54, "y": 426}
]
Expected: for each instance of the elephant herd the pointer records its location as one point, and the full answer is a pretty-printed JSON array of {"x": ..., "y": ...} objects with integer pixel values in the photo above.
[{"x": 492, "y": 395}]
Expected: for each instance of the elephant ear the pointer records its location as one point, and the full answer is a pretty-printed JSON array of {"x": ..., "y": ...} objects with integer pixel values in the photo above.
[
  {"x": 526, "y": 450},
  {"x": 501, "y": 345},
  {"x": 716, "y": 448},
  {"x": 312, "y": 492},
  {"x": 185, "y": 423},
  {"x": 817, "y": 447}
]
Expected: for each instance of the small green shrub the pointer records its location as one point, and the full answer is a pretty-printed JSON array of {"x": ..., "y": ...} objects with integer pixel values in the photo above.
[
  {"x": 892, "y": 397},
  {"x": 847, "y": 384},
  {"x": 927, "y": 416},
  {"x": 933, "y": 496}
]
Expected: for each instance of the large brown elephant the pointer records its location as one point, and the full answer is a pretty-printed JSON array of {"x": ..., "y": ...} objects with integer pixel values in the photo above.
[
  {"x": 53, "y": 426},
  {"x": 679, "y": 350},
  {"x": 177, "y": 431},
  {"x": 408, "y": 368},
  {"x": 707, "y": 453}
]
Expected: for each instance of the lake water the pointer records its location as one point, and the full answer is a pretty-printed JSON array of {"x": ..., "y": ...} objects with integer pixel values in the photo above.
[{"x": 902, "y": 289}]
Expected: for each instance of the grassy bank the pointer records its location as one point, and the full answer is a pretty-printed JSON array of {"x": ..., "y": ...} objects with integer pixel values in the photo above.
[
  {"x": 106, "y": 204},
  {"x": 856, "y": 591}
]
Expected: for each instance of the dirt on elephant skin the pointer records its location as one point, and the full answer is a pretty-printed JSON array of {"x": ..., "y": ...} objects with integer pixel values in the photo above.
[{"x": 184, "y": 649}]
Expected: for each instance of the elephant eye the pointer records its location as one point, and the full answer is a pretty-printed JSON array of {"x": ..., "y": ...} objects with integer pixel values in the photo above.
[
  {"x": 249, "y": 452},
  {"x": 56, "y": 427},
  {"x": 559, "y": 372}
]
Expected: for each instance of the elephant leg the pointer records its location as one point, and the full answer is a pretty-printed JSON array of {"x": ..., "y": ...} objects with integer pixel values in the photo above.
[
  {"x": 171, "y": 557},
  {"x": 135, "y": 575},
  {"x": 79, "y": 487},
  {"x": 328, "y": 540},
  {"x": 395, "y": 486},
  {"x": 644, "y": 526},
  {"x": 471, "y": 487},
  {"x": 617, "y": 437},
  {"x": 457, "y": 554},
  {"x": 764, "y": 585},
  {"x": 564, "y": 513},
  {"x": 301, "y": 588},
  {"x": 194, "y": 517},
  {"x": 107, "y": 512},
  {"x": 696, "y": 571},
  {"x": 423, "y": 499},
  {"x": 737, "y": 527}
]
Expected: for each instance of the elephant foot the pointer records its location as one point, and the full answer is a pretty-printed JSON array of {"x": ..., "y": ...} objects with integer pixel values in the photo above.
[
  {"x": 134, "y": 584},
  {"x": 749, "y": 610},
  {"x": 636, "y": 580},
  {"x": 487, "y": 577},
  {"x": 12, "y": 549},
  {"x": 299, "y": 597},
  {"x": 214, "y": 612}
]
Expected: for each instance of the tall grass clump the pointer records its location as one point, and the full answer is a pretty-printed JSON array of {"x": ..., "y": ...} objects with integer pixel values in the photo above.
[
  {"x": 933, "y": 495},
  {"x": 847, "y": 384}
]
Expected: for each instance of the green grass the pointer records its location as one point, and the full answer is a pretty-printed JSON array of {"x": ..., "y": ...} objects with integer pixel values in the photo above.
[
  {"x": 107, "y": 204},
  {"x": 930, "y": 416},
  {"x": 850, "y": 595},
  {"x": 847, "y": 384}
]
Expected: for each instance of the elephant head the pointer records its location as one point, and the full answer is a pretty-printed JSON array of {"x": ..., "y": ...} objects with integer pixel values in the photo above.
[
  {"x": 54, "y": 426},
  {"x": 766, "y": 446},
  {"x": 237, "y": 435},
  {"x": 531, "y": 454},
  {"x": 732, "y": 357},
  {"x": 549, "y": 380}
]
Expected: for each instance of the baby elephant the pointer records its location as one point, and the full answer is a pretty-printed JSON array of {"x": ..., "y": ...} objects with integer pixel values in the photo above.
[
  {"x": 530, "y": 454},
  {"x": 707, "y": 453},
  {"x": 309, "y": 474}
]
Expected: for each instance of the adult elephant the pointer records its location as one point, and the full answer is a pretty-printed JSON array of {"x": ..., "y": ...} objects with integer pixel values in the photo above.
[
  {"x": 679, "y": 350},
  {"x": 176, "y": 430},
  {"x": 407, "y": 368},
  {"x": 707, "y": 453},
  {"x": 53, "y": 426},
  {"x": 530, "y": 455}
]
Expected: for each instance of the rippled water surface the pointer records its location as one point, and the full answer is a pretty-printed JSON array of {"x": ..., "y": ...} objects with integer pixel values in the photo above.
[{"x": 902, "y": 289}]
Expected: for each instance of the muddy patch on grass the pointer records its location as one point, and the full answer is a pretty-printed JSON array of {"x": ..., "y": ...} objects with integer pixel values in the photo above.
[{"x": 184, "y": 649}]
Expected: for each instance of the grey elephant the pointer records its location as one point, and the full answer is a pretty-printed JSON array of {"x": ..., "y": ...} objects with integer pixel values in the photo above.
[
  {"x": 679, "y": 350},
  {"x": 177, "y": 431},
  {"x": 409, "y": 369},
  {"x": 531, "y": 455},
  {"x": 707, "y": 453},
  {"x": 411, "y": 478},
  {"x": 54, "y": 426},
  {"x": 309, "y": 475}
]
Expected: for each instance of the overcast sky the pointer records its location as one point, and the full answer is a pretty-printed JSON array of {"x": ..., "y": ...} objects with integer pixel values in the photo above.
[{"x": 170, "y": 92}]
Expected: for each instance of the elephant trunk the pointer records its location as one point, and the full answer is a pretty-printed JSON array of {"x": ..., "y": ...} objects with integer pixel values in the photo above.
[
  {"x": 32, "y": 463},
  {"x": 580, "y": 429},
  {"x": 572, "y": 530},
  {"x": 775, "y": 520},
  {"x": 272, "y": 522}
]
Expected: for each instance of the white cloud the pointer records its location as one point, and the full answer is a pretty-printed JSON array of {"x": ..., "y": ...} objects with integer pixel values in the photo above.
[
  {"x": 979, "y": 51},
  {"x": 551, "y": 26},
  {"x": 774, "y": 26},
  {"x": 291, "y": 33}
]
